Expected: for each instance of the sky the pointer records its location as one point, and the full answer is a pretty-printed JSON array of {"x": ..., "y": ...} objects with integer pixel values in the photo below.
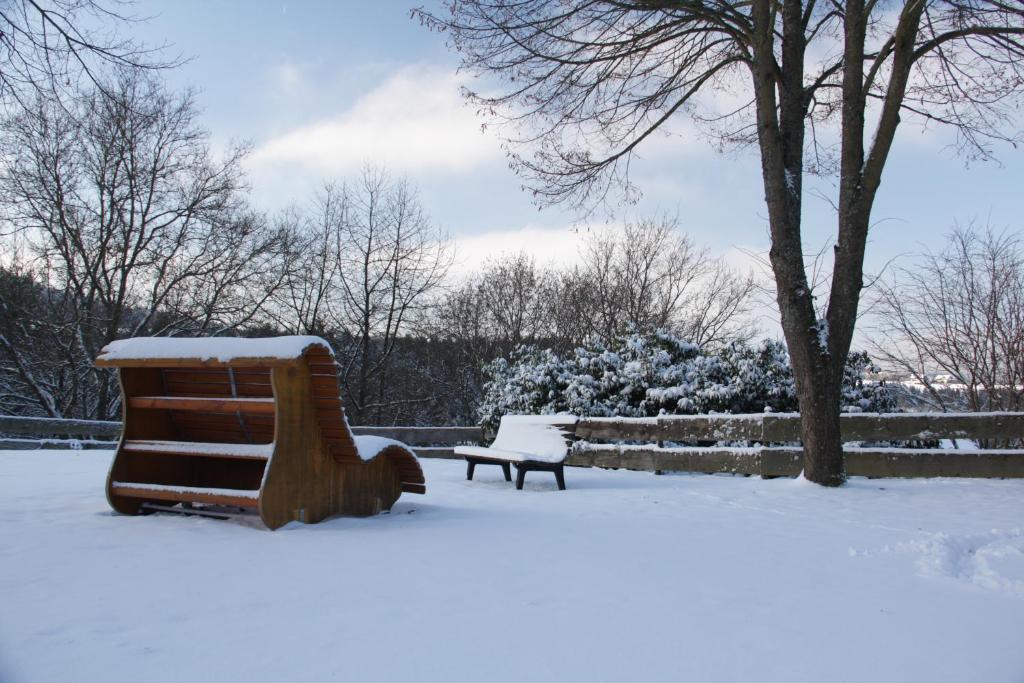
[{"x": 321, "y": 88}]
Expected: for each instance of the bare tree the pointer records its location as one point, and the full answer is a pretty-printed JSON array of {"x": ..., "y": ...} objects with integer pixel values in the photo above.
[
  {"x": 459, "y": 331},
  {"x": 650, "y": 276},
  {"x": 33, "y": 378},
  {"x": 503, "y": 305},
  {"x": 308, "y": 301},
  {"x": 129, "y": 219},
  {"x": 959, "y": 312},
  {"x": 587, "y": 84},
  {"x": 46, "y": 46},
  {"x": 364, "y": 264},
  {"x": 390, "y": 258},
  {"x": 512, "y": 291}
]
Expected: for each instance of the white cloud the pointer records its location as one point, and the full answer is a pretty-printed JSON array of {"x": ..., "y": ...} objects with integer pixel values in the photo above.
[
  {"x": 413, "y": 121},
  {"x": 287, "y": 78},
  {"x": 548, "y": 246}
]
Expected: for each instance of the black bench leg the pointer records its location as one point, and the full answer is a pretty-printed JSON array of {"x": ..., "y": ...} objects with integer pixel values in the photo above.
[
  {"x": 507, "y": 469},
  {"x": 469, "y": 470},
  {"x": 560, "y": 477},
  {"x": 520, "y": 476}
]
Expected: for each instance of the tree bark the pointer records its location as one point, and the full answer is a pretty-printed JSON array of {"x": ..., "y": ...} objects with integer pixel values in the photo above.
[
  {"x": 820, "y": 393},
  {"x": 781, "y": 109}
]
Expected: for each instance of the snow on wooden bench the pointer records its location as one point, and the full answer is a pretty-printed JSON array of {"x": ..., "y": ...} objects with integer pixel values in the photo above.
[
  {"x": 530, "y": 442},
  {"x": 251, "y": 423}
]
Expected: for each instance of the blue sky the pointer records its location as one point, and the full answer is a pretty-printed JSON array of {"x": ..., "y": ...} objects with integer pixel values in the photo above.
[{"x": 318, "y": 88}]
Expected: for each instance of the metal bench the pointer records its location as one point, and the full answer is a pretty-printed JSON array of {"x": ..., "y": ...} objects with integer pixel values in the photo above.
[{"x": 530, "y": 442}]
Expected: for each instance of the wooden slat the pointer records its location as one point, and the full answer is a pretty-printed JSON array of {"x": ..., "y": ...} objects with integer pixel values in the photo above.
[
  {"x": 254, "y": 375},
  {"x": 196, "y": 389},
  {"x": 193, "y": 375},
  {"x": 232, "y": 427},
  {"x": 334, "y": 431},
  {"x": 211, "y": 435},
  {"x": 194, "y": 449},
  {"x": 900, "y": 462},
  {"x": 599, "y": 429},
  {"x": 707, "y": 460},
  {"x": 412, "y": 474},
  {"x": 261, "y": 434},
  {"x": 711, "y": 427},
  {"x": 328, "y": 382},
  {"x": 227, "y": 422},
  {"x": 907, "y": 426},
  {"x": 218, "y": 382},
  {"x": 197, "y": 418},
  {"x": 160, "y": 363},
  {"x": 214, "y": 435},
  {"x": 248, "y": 390},
  {"x": 186, "y": 494},
  {"x": 414, "y": 488},
  {"x": 203, "y": 374},
  {"x": 323, "y": 369},
  {"x": 242, "y": 405}
]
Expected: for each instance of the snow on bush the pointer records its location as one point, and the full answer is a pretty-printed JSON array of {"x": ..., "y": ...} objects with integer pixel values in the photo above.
[{"x": 641, "y": 375}]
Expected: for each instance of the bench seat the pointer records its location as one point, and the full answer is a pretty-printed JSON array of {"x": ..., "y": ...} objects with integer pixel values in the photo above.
[
  {"x": 530, "y": 442},
  {"x": 502, "y": 455}
]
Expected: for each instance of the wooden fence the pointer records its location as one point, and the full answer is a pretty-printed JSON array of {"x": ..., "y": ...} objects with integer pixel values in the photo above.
[
  {"x": 658, "y": 444},
  {"x": 681, "y": 443},
  {"x": 38, "y": 432}
]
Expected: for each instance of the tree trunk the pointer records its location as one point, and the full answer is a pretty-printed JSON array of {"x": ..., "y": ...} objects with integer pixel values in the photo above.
[
  {"x": 781, "y": 108},
  {"x": 819, "y": 395}
]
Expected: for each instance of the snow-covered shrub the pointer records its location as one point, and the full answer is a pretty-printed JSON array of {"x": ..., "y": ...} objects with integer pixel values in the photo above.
[
  {"x": 647, "y": 375},
  {"x": 870, "y": 397},
  {"x": 617, "y": 380},
  {"x": 532, "y": 381}
]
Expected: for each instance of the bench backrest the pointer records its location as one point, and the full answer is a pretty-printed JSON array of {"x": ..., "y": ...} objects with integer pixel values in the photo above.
[{"x": 547, "y": 437}]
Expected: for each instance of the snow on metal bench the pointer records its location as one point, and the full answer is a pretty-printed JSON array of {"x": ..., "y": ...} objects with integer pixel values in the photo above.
[
  {"x": 530, "y": 442},
  {"x": 251, "y": 423}
]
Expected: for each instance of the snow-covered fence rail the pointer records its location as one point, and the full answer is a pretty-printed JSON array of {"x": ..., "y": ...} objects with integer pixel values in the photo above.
[
  {"x": 649, "y": 437},
  {"x": 18, "y": 433},
  {"x": 38, "y": 432},
  {"x": 773, "y": 461},
  {"x": 428, "y": 442},
  {"x": 769, "y": 427}
]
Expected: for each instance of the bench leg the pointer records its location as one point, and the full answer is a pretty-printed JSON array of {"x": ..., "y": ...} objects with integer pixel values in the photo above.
[
  {"x": 507, "y": 469},
  {"x": 560, "y": 477},
  {"x": 469, "y": 470},
  {"x": 520, "y": 476}
]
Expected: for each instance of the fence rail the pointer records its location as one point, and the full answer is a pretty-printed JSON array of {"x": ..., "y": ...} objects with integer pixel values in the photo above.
[
  {"x": 785, "y": 427},
  {"x": 430, "y": 442},
  {"x": 769, "y": 460},
  {"x": 645, "y": 442}
]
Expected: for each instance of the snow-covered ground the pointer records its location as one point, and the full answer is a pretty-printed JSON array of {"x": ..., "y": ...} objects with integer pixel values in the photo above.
[{"x": 624, "y": 577}]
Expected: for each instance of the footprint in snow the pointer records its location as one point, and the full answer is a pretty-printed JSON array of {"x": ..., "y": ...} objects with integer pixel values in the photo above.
[{"x": 991, "y": 561}]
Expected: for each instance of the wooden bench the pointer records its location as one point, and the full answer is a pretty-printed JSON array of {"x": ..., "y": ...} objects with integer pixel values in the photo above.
[
  {"x": 249, "y": 423},
  {"x": 530, "y": 442}
]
